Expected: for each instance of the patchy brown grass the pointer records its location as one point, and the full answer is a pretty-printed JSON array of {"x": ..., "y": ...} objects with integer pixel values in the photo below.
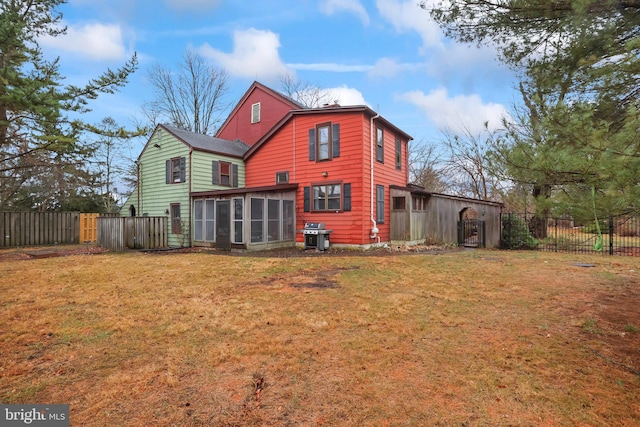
[{"x": 465, "y": 338}]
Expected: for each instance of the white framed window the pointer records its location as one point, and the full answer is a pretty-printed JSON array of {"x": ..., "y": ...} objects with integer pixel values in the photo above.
[
  {"x": 204, "y": 220},
  {"x": 255, "y": 112},
  {"x": 238, "y": 216},
  {"x": 257, "y": 220}
]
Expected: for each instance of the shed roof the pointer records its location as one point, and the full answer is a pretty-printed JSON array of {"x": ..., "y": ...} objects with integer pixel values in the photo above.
[{"x": 208, "y": 143}]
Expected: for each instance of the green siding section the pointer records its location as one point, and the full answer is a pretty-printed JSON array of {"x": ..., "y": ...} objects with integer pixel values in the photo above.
[
  {"x": 202, "y": 171},
  {"x": 156, "y": 196}
]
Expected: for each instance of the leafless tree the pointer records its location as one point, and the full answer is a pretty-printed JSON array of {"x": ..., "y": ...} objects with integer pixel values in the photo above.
[
  {"x": 427, "y": 168},
  {"x": 307, "y": 94},
  {"x": 469, "y": 165},
  {"x": 192, "y": 98}
]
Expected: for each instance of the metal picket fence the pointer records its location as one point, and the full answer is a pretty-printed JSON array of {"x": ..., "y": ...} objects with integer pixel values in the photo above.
[{"x": 619, "y": 235}]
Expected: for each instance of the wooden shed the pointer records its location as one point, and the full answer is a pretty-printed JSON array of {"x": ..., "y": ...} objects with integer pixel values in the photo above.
[{"x": 418, "y": 216}]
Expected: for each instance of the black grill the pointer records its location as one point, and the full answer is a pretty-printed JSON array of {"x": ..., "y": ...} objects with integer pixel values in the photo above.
[{"x": 316, "y": 236}]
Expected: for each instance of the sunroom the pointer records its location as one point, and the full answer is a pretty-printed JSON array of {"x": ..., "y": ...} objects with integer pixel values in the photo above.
[{"x": 245, "y": 218}]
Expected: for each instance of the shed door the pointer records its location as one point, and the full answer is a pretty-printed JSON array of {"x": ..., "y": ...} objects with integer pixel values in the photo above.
[{"x": 223, "y": 224}]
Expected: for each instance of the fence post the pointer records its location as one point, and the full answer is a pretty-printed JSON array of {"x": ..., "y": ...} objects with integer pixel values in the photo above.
[
  {"x": 510, "y": 241},
  {"x": 610, "y": 235}
]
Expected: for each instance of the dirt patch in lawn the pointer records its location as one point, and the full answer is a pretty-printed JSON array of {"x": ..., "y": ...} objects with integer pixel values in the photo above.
[
  {"x": 38, "y": 252},
  {"x": 202, "y": 338}
]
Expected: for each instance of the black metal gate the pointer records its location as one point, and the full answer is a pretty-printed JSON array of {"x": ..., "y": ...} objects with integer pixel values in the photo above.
[{"x": 471, "y": 233}]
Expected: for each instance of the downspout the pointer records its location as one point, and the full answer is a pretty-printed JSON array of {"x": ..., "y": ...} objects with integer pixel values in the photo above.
[
  {"x": 374, "y": 228},
  {"x": 139, "y": 181},
  {"x": 189, "y": 194}
]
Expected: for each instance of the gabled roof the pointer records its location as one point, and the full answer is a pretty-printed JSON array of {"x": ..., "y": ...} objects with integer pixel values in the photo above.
[
  {"x": 323, "y": 110},
  {"x": 207, "y": 143},
  {"x": 293, "y": 104}
]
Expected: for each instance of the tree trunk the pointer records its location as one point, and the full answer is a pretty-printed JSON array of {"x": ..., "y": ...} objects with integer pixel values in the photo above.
[{"x": 538, "y": 224}]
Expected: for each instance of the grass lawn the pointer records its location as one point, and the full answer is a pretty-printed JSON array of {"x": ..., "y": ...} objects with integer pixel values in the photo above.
[{"x": 466, "y": 338}]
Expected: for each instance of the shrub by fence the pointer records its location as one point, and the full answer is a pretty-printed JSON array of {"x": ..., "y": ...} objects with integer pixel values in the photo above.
[
  {"x": 620, "y": 235},
  {"x": 39, "y": 228}
]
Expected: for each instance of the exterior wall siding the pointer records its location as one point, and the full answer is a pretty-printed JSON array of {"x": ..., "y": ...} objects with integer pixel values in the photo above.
[
  {"x": 156, "y": 196},
  {"x": 288, "y": 150},
  {"x": 202, "y": 171},
  {"x": 239, "y": 125}
]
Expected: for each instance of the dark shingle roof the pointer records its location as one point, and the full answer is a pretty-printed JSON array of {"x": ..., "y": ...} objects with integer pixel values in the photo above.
[{"x": 202, "y": 142}]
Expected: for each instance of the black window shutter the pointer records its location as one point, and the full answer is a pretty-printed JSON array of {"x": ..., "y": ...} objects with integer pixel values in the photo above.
[
  {"x": 168, "y": 172},
  {"x": 215, "y": 174},
  {"x": 335, "y": 136},
  {"x": 307, "y": 199},
  {"x": 183, "y": 169},
  {"x": 235, "y": 175},
  {"x": 312, "y": 144},
  {"x": 380, "y": 204},
  {"x": 346, "y": 193}
]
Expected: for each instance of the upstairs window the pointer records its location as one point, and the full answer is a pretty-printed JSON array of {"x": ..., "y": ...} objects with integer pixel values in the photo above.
[
  {"x": 323, "y": 133},
  {"x": 398, "y": 154},
  {"x": 176, "y": 170},
  {"x": 255, "y": 113},
  {"x": 224, "y": 173},
  {"x": 324, "y": 142},
  {"x": 379, "y": 144}
]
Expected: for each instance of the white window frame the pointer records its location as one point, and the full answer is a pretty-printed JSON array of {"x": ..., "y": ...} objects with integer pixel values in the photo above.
[{"x": 255, "y": 113}]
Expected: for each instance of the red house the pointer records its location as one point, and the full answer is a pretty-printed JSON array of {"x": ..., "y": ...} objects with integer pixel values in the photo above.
[{"x": 343, "y": 160}]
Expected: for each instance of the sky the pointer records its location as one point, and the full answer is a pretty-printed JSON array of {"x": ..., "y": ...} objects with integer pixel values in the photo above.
[{"x": 387, "y": 54}]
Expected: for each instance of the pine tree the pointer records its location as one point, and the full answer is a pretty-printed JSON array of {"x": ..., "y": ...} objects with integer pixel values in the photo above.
[
  {"x": 39, "y": 132},
  {"x": 579, "y": 62}
]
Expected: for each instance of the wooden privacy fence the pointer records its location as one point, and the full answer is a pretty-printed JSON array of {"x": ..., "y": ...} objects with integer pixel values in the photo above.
[
  {"x": 39, "y": 228},
  {"x": 143, "y": 232}
]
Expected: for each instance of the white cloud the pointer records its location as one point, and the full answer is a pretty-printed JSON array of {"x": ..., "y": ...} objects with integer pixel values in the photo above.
[
  {"x": 255, "y": 55},
  {"x": 386, "y": 68},
  {"x": 346, "y": 95},
  {"x": 329, "y": 7},
  {"x": 195, "y": 5},
  {"x": 96, "y": 41},
  {"x": 407, "y": 16},
  {"x": 457, "y": 112}
]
